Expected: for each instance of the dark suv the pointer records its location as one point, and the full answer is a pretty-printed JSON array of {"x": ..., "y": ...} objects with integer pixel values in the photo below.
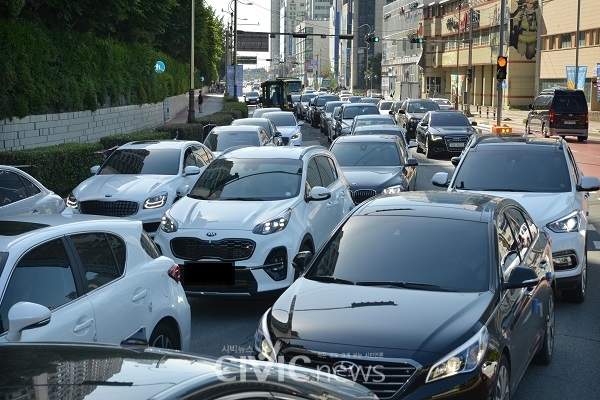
[{"x": 559, "y": 111}]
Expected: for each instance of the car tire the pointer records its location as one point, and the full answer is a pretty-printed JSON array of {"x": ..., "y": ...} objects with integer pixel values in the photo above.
[
  {"x": 527, "y": 129},
  {"x": 426, "y": 149},
  {"x": 545, "y": 132},
  {"x": 544, "y": 356},
  {"x": 581, "y": 138},
  {"x": 164, "y": 337},
  {"x": 419, "y": 148},
  {"x": 502, "y": 388},
  {"x": 577, "y": 295}
]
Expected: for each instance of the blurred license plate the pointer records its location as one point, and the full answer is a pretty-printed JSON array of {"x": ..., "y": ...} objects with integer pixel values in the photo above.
[
  {"x": 460, "y": 145},
  {"x": 569, "y": 122},
  {"x": 208, "y": 273}
]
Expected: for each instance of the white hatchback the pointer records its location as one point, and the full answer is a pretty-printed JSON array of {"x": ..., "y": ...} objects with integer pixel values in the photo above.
[
  {"x": 84, "y": 278},
  {"x": 21, "y": 193},
  {"x": 250, "y": 212},
  {"x": 140, "y": 180}
]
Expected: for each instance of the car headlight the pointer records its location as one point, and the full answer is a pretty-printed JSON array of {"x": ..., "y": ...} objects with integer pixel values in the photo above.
[
  {"x": 436, "y": 137},
  {"x": 464, "y": 359},
  {"x": 393, "y": 190},
  {"x": 569, "y": 223},
  {"x": 168, "y": 224},
  {"x": 296, "y": 135},
  {"x": 273, "y": 225},
  {"x": 156, "y": 201},
  {"x": 263, "y": 345},
  {"x": 71, "y": 201}
]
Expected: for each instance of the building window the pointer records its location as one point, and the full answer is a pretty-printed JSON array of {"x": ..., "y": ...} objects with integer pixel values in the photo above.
[
  {"x": 485, "y": 37},
  {"x": 581, "y": 38},
  {"x": 565, "y": 41}
]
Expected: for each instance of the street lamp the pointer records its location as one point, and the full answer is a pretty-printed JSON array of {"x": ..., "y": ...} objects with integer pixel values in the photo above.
[{"x": 191, "y": 108}]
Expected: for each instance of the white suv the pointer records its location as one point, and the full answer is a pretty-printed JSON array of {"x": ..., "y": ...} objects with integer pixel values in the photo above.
[
  {"x": 250, "y": 212},
  {"x": 543, "y": 176}
]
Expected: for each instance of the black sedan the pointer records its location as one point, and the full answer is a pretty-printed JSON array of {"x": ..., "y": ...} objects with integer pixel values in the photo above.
[
  {"x": 410, "y": 113},
  {"x": 424, "y": 295},
  {"x": 251, "y": 98},
  {"x": 443, "y": 132},
  {"x": 62, "y": 371},
  {"x": 375, "y": 164}
]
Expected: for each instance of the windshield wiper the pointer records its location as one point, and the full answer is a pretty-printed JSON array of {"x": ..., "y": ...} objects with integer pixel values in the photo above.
[
  {"x": 406, "y": 285},
  {"x": 329, "y": 279}
]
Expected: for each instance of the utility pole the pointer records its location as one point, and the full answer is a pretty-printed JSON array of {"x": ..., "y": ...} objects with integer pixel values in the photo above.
[
  {"x": 500, "y": 53},
  {"x": 576, "y": 44},
  {"x": 192, "y": 100},
  {"x": 458, "y": 56},
  {"x": 235, "y": 50},
  {"x": 469, "y": 83}
]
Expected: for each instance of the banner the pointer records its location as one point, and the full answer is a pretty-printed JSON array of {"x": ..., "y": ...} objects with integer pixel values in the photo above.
[
  {"x": 456, "y": 82},
  {"x": 239, "y": 74},
  {"x": 580, "y": 77},
  {"x": 598, "y": 82}
]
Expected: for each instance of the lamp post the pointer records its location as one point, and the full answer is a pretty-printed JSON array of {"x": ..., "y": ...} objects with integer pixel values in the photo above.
[
  {"x": 234, "y": 50},
  {"x": 191, "y": 109}
]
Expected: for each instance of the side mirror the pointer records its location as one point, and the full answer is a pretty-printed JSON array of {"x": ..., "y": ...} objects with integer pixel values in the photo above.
[
  {"x": 391, "y": 112},
  {"x": 440, "y": 179},
  {"x": 521, "y": 277},
  {"x": 412, "y": 162},
  {"x": 412, "y": 144},
  {"x": 300, "y": 123},
  {"x": 588, "y": 184},
  {"x": 318, "y": 193},
  {"x": 182, "y": 191},
  {"x": 530, "y": 106},
  {"x": 25, "y": 315},
  {"x": 191, "y": 170},
  {"x": 455, "y": 160},
  {"x": 94, "y": 170},
  {"x": 301, "y": 260}
]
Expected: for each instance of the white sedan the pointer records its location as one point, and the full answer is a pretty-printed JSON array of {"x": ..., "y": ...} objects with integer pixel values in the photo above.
[
  {"x": 21, "y": 193},
  {"x": 84, "y": 278},
  {"x": 140, "y": 180},
  {"x": 286, "y": 123}
]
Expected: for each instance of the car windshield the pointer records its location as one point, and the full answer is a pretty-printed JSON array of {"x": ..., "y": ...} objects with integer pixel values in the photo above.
[
  {"x": 321, "y": 100},
  {"x": 375, "y": 121},
  {"x": 351, "y": 112},
  {"x": 252, "y": 94},
  {"x": 443, "y": 102},
  {"x": 330, "y": 105},
  {"x": 395, "y": 252},
  {"x": 514, "y": 171},
  {"x": 307, "y": 96},
  {"x": 422, "y": 107},
  {"x": 385, "y": 105},
  {"x": 224, "y": 140},
  {"x": 449, "y": 119},
  {"x": 354, "y": 154},
  {"x": 142, "y": 162},
  {"x": 249, "y": 179},
  {"x": 283, "y": 119}
]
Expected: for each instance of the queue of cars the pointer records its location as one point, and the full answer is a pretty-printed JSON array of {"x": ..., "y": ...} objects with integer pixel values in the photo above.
[{"x": 305, "y": 222}]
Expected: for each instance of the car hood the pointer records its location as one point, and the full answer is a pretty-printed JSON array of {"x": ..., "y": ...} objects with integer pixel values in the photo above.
[
  {"x": 226, "y": 214},
  {"x": 125, "y": 186},
  {"x": 287, "y": 131},
  {"x": 415, "y": 115},
  {"x": 312, "y": 313},
  {"x": 543, "y": 207},
  {"x": 451, "y": 130},
  {"x": 373, "y": 177}
]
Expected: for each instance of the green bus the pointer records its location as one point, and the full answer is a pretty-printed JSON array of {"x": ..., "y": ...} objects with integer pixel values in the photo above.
[{"x": 278, "y": 92}]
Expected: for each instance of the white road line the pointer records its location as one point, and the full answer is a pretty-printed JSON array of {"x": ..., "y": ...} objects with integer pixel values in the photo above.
[
  {"x": 596, "y": 245},
  {"x": 591, "y": 227}
]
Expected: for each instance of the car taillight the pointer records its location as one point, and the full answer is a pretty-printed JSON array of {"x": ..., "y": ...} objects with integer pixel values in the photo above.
[
  {"x": 551, "y": 116},
  {"x": 175, "y": 272},
  {"x": 587, "y": 118}
]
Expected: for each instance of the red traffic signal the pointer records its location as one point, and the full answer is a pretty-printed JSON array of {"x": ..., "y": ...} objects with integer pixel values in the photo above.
[{"x": 501, "y": 65}]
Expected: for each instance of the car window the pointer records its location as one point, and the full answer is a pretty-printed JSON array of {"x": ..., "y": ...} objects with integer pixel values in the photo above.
[
  {"x": 508, "y": 247},
  {"x": 204, "y": 156},
  {"x": 449, "y": 119},
  {"x": 422, "y": 107},
  {"x": 313, "y": 177},
  {"x": 264, "y": 138},
  {"x": 13, "y": 188},
  {"x": 326, "y": 170},
  {"x": 568, "y": 104},
  {"x": 351, "y": 112},
  {"x": 514, "y": 170},
  {"x": 98, "y": 256},
  {"x": 374, "y": 242},
  {"x": 520, "y": 229},
  {"x": 354, "y": 154},
  {"x": 142, "y": 161},
  {"x": 43, "y": 276}
]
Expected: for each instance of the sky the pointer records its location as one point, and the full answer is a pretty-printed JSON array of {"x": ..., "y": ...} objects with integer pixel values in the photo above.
[{"x": 251, "y": 18}]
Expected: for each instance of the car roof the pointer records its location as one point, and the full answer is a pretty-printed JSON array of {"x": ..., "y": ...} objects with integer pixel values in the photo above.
[
  {"x": 490, "y": 139},
  {"x": 240, "y": 121},
  {"x": 272, "y": 151},
  {"x": 437, "y": 204},
  {"x": 359, "y": 105},
  {"x": 366, "y": 138},
  {"x": 374, "y": 116},
  {"x": 235, "y": 128},
  {"x": 158, "y": 144},
  {"x": 389, "y": 127}
]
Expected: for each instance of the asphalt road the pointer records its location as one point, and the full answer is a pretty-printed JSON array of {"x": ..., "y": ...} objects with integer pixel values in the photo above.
[{"x": 226, "y": 326}]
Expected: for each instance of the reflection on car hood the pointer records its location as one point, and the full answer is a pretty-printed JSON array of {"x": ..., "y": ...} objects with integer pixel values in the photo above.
[
  {"x": 372, "y": 177},
  {"x": 288, "y": 131},
  {"x": 376, "y": 317},
  {"x": 130, "y": 187},
  {"x": 451, "y": 130},
  {"x": 543, "y": 207},
  {"x": 415, "y": 115},
  {"x": 226, "y": 214}
]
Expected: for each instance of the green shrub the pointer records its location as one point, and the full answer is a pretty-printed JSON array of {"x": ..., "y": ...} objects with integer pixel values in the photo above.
[
  {"x": 243, "y": 107},
  {"x": 193, "y": 131},
  {"x": 117, "y": 140}
]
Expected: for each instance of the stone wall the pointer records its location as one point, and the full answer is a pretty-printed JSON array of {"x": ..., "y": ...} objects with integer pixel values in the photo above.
[{"x": 86, "y": 126}]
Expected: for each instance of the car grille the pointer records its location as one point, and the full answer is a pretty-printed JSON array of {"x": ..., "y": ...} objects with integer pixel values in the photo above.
[
  {"x": 118, "y": 208},
  {"x": 382, "y": 376},
  {"x": 452, "y": 141},
  {"x": 285, "y": 140},
  {"x": 361, "y": 195},
  {"x": 244, "y": 283},
  {"x": 188, "y": 248}
]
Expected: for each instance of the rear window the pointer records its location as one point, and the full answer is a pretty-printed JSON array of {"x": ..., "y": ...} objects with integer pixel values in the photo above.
[
  {"x": 351, "y": 112},
  {"x": 570, "y": 102}
]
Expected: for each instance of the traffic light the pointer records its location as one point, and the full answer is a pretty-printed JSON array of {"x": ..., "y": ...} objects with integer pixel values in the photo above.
[
  {"x": 417, "y": 40},
  {"x": 469, "y": 74},
  {"x": 370, "y": 38},
  {"x": 376, "y": 39},
  {"x": 501, "y": 64}
]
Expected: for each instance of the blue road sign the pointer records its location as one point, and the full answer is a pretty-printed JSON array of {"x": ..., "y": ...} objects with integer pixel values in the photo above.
[
  {"x": 504, "y": 85},
  {"x": 159, "y": 67},
  {"x": 201, "y": 79}
]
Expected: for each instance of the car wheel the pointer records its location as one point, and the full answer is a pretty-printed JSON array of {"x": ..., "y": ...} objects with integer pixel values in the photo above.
[
  {"x": 165, "y": 337},
  {"x": 545, "y": 131},
  {"x": 544, "y": 356},
  {"x": 581, "y": 138},
  {"x": 426, "y": 149},
  {"x": 527, "y": 129},
  {"x": 503, "y": 380},
  {"x": 577, "y": 295}
]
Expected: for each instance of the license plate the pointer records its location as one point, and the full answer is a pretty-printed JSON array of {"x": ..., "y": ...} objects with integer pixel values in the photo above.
[
  {"x": 459, "y": 145},
  {"x": 208, "y": 273},
  {"x": 569, "y": 122}
]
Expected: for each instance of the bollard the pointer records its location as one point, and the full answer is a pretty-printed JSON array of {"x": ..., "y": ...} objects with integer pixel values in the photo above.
[
  {"x": 479, "y": 110},
  {"x": 494, "y": 112},
  {"x": 487, "y": 112}
]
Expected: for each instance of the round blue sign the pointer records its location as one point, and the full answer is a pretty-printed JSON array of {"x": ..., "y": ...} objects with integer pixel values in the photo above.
[
  {"x": 159, "y": 67},
  {"x": 202, "y": 79},
  {"x": 504, "y": 85}
]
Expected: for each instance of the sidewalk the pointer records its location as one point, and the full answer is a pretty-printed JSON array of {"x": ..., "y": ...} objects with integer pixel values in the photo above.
[{"x": 213, "y": 102}]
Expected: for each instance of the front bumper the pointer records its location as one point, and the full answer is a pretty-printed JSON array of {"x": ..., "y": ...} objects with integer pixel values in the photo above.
[{"x": 568, "y": 253}]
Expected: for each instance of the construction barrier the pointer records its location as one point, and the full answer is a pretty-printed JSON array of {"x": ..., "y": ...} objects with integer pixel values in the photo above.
[{"x": 501, "y": 129}]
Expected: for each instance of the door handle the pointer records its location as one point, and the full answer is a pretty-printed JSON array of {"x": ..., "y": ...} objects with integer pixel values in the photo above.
[
  {"x": 83, "y": 325},
  {"x": 139, "y": 296}
]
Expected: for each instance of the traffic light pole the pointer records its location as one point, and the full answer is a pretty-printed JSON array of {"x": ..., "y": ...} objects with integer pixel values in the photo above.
[
  {"x": 500, "y": 53},
  {"x": 469, "y": 95}
]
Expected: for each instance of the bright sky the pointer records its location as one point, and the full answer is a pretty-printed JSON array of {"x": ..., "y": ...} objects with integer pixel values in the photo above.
[{"x": 251, "y": 18}]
